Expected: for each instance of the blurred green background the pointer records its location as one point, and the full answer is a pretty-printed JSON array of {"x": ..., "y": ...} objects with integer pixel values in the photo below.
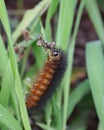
[{"x": 77, "y": 27}]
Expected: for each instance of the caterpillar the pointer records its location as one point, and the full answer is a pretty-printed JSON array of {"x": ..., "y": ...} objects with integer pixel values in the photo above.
[{"x": 50, "y": 76}]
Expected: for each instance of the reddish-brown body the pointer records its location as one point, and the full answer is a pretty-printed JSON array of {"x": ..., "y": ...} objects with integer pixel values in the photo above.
[{"x": 43, "y": 81}]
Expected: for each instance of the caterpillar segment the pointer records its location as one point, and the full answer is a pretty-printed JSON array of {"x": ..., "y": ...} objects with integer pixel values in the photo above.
[{"x": 49, "y": 77}]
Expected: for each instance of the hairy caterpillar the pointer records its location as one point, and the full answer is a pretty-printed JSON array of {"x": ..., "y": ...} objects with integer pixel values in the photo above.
[{"x": 50, "y": 76}]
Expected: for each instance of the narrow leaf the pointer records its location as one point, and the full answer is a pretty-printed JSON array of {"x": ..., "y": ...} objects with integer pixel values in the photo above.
[
  {"x": 6, "y": 85},
  {"x": 95, "y": 67},
  {"x": 77, "y": 94},
  {"x": 3, "y": 56},
  {"x": 95, "y": 16},
  {"x": 8, "y": 120},
  {"x": 30, "y": 15}
]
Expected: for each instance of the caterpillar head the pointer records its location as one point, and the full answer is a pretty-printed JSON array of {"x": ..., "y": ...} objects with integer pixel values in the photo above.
[{"x": 53, "y": 53}]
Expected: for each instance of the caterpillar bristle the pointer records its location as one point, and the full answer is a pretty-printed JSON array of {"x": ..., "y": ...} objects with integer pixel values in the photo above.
[{"x": 48, "y": 79}]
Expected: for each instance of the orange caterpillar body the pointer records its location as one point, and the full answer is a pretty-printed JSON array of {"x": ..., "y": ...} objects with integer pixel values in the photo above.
[
  {"x": 49, "y": 78},
  {"x": 42, "y": 81}
]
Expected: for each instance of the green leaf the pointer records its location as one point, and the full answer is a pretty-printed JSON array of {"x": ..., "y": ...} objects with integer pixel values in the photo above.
[
  {"x": 4, "y": 18},
  {"x": 78, "y": 93},
  {"x": 6, "y": 85},
  {"x": 22, "y": 106},
  {"x": 100, "y": 127},
  {"x": 95, "y": 16},
  {"x": 67, "y": 77},
  {"x": 5, "y": 22},
  {"x": 18, "y": 86},
  {"x": 95, "y": 67},
  {"x": 14, "y": 104},
  {"x": 52, "y": 9},
  {"x": 3, "y": 56},
  {"x": 39, "y": 54},
  {"x": 65, "y": 22},
  {"x": 45, "y": 127},
  {"x": 30, "y": 15},
  {"x": 8, "y": 120}
]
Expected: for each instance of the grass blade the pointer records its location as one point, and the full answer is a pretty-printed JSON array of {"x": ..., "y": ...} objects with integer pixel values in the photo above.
[
  {"x": 31, "y": 15},
  {"x": 18, "y": 86},
  {"x": 63, "y": 34},
  {"x": 51, "y": 11},
  {"x": 14, "y": 104},
  {"x": 3, "y": 56},
  {"x": 100, "y": 127},
  {"x": 8, "y": 119},
  {"x": 6, "y": 85},
  {"x": 65, "y": 22},
  {"x": 80, "y": 91},
  {"x": 4, "y": 17},
  {"x": 95, "y": 16},
  {"x": 95, "y": 67},
  {"x": 45, "y": 127},
  {"x": 70, "y": 61}
]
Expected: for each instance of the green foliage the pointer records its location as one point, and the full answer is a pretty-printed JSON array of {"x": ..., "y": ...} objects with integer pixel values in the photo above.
[
  {"x": 4, "y": 57},
  {"x": 8, "y": 120},
  {"x": 95, "y": 66},
  {"x": 95, "y": 17},
  {"x": 13, "y": 83}
]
